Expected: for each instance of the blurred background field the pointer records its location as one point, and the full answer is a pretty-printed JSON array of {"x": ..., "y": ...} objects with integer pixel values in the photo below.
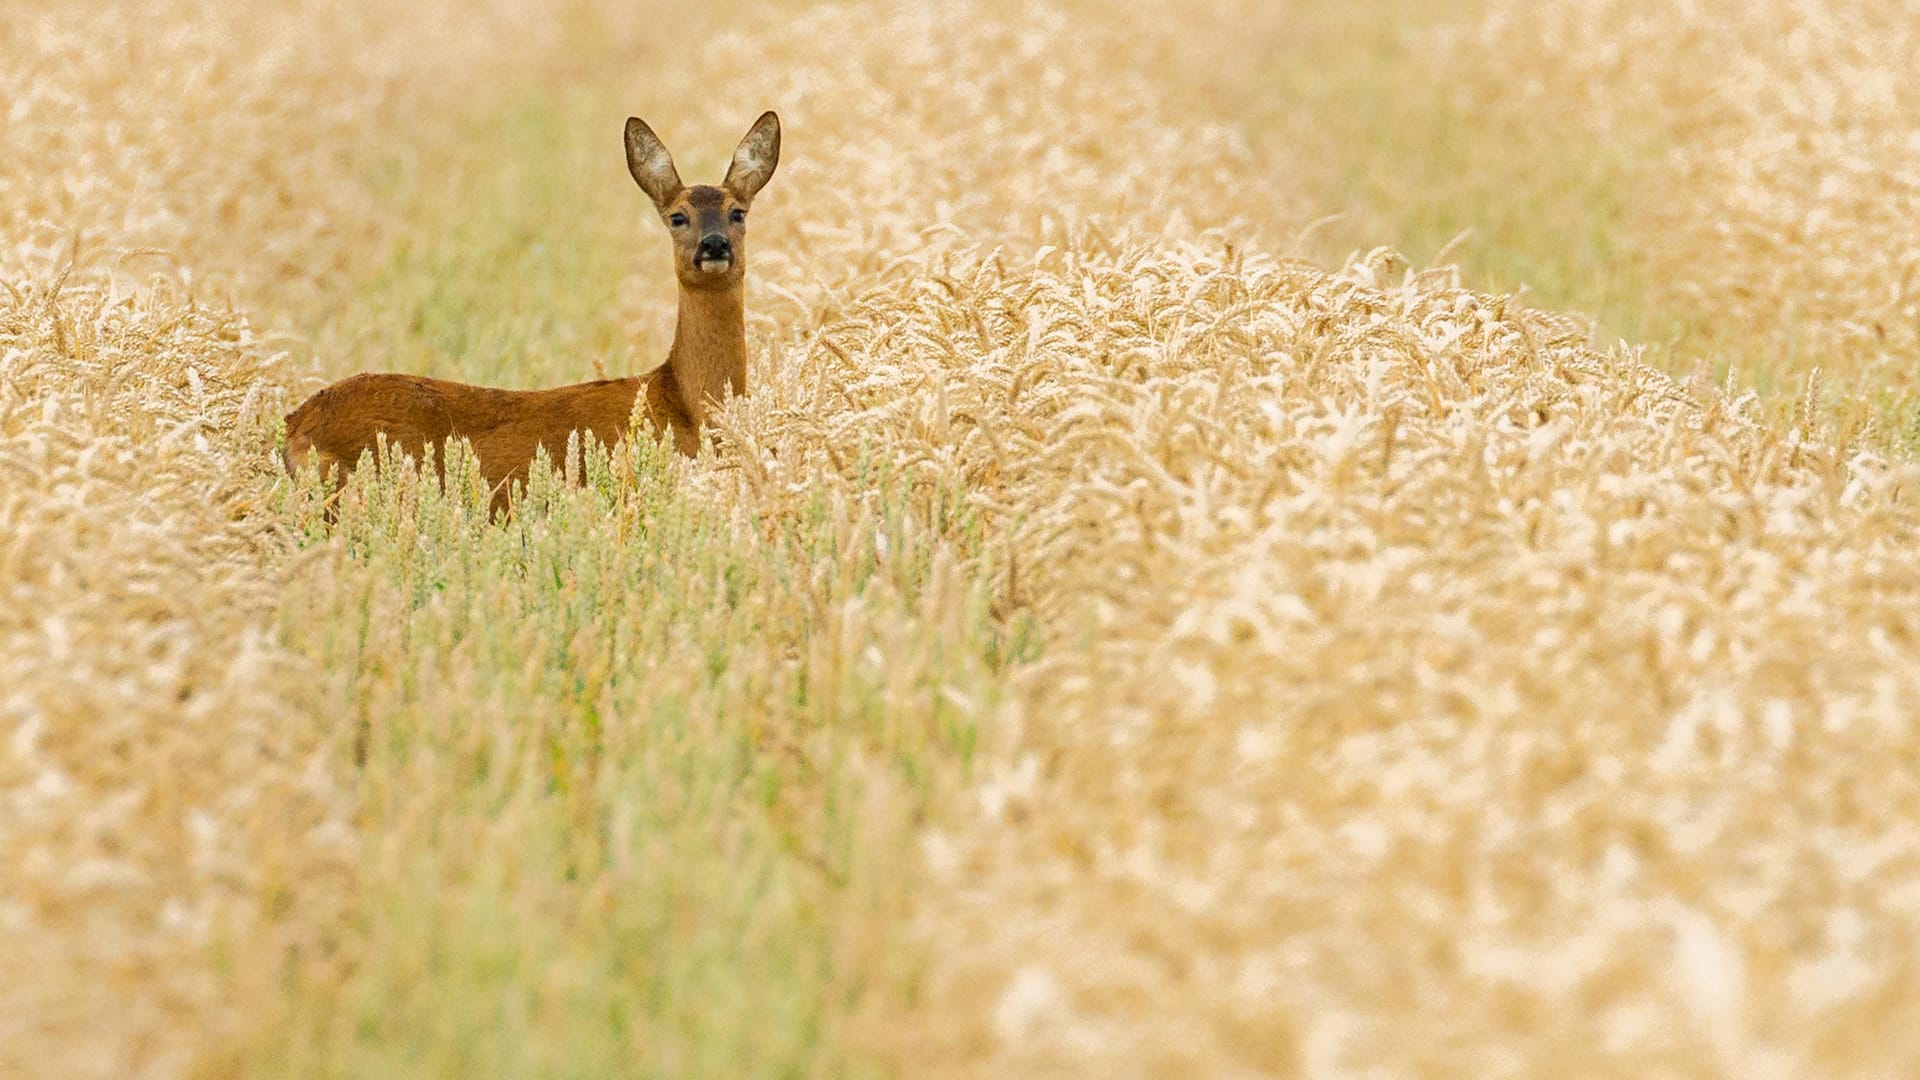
[{"x": 1268, "y": 539}]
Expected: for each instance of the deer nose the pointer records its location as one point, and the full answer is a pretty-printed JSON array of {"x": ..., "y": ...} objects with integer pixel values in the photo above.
[{"x": 714, "y": 246}]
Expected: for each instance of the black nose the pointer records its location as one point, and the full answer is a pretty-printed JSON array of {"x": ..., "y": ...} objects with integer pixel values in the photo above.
[{"x": 714, "y": 247}]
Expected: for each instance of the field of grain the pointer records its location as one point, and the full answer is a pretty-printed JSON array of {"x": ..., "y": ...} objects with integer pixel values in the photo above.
[{"x": 1267, "y": 539}]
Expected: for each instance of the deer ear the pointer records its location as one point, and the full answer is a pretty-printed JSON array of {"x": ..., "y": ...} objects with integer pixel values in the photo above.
[
  {"x": 755, "y": 159},
  {"x": 651, "y": 165}
]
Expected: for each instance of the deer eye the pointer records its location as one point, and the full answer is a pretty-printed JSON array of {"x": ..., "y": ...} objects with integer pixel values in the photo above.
[
  {"x": 738, "y": 215},
  {"x": 677, "y": 220}
]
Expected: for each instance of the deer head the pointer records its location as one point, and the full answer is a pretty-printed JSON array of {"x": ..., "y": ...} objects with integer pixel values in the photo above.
[{"x": 708, "y": 223}]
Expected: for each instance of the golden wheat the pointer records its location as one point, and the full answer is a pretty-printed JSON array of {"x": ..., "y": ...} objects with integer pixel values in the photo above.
[
  {"x": 162, "y": 792},
  {"x": 1784, "y": 217},
  {"x": 167, "y": 794},
  {"x": 1101, "y": 644},
  {"x": 1434, "y": 672}
]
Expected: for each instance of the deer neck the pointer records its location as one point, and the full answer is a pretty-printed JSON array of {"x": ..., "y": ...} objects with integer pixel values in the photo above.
[{"x": 709, "y": 355}]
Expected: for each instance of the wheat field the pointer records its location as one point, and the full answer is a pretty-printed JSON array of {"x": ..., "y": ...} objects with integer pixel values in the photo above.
[{"x": 1267, "y": 539}]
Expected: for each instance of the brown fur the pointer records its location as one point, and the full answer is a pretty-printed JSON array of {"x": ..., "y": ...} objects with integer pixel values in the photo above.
[
  {"x": 707, "y": 363},
  {"x": 506, "y": 427}
]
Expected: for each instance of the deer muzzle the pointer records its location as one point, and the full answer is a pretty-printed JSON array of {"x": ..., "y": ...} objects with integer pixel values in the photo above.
[{"x": 714, "y": 255}]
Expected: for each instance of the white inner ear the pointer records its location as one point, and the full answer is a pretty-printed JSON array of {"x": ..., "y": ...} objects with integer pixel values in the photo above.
[
  {"x": 659, "y": 165},
  {"x": 751, "y": 167}
]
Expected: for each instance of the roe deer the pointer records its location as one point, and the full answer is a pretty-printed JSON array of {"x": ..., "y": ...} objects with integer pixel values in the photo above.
[{"x": 707, "y": 362}]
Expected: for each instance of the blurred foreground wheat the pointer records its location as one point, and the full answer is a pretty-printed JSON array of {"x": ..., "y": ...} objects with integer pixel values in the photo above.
[{"x": 1425, "y": 690}]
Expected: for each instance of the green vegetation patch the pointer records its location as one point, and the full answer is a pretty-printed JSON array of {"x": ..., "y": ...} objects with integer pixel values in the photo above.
[
  {"x": 636, "y": 776},
  {"x": 512, "y": 236}
]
